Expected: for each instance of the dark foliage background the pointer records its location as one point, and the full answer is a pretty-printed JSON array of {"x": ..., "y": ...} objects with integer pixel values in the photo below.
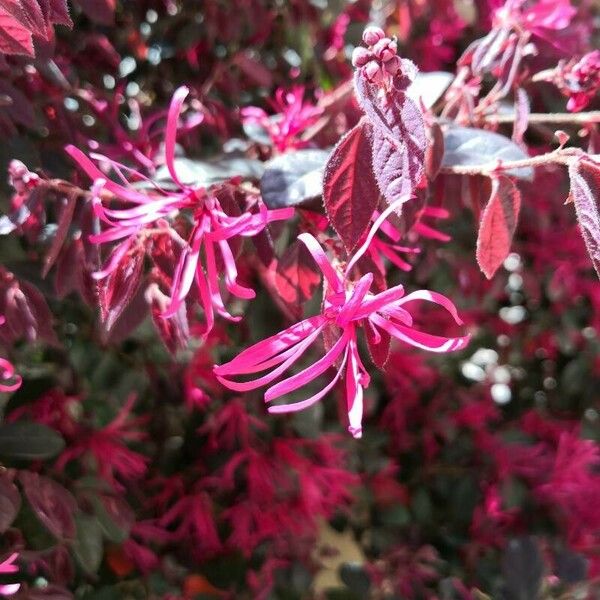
[{"x": 129, "y": 472}]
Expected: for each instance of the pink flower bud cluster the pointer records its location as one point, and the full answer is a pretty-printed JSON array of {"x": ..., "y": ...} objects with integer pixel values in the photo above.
[
  {"x": 379, "y": 61},
  {"x": 20, "y": 177},
  {"x": 581, "y": 80}
]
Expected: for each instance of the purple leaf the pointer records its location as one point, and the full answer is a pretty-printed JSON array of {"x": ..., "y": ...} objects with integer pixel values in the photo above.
[
  {"x": 10, "y": 502},
  {"x": 64, "y": 222},
  {"x": 15, "y": 35},
  {"x": 585, "y": 191},
  {"x": 399, "y": 140},
  {"x": 54, "y": 506},
  {"x": 350, "y": 193}
]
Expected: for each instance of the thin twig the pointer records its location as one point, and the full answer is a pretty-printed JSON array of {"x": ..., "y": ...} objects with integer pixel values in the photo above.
[
  {"x": 560, "y": 156},
  {"x": 576, "y": 118}
]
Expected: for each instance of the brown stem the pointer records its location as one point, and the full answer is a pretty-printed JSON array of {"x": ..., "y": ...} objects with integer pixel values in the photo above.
[
  {"x": 561, "y": 156},
  {"x": 576, "y": 118}
]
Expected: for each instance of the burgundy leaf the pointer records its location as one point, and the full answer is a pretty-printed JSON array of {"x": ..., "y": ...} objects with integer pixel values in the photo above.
[
  {"x": 15, "y": 35},
  {"x": 117, "y": 290},
  {"x": 51, "y": 502},
  {"x": 498, "y": 224},
  {"x": 64, "y": 222},
  {"x": 399, "y": 139},
  {"x": 73, "y": 275},
  {"x": 33, "y": 17},
  {"x": 435, "y": 151},
  {"x": 10, "y": 502},
  {"x": 585, "y": 192},
  {"x": 350, "y": 193},
  {"x": 20, "y": 109},
  {"x": 129, "y": 320},
  {"x": 56, "y": 12},
  {"x": 296, "y": 277},
  {"x": 99, "y": 11},
  {"x": 42, "y": 316}
]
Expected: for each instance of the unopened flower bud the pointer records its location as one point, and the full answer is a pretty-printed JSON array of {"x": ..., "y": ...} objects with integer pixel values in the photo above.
[
  {"x": 361, "y": 56},
  {"x": 371, "y": 35},
  {"x": 385, "y": 49},
  {"x": 393, "y": 66},
  {"x": 20, "y": 177},
  {"x": 373, "y": 72}
]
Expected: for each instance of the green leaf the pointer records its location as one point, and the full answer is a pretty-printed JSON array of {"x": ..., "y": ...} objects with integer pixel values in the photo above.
[
  {"x": 88, "y": 546},
  {"x": 29, "y": 441}
]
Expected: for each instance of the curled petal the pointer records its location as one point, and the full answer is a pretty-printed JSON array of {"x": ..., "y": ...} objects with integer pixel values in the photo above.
[
  {"x": 436, "y": 298},
  {"x": 318, "y": 368},
  {"x": 7, "y": 371},
  {"x": 322, "y": 261},
  {"x": 380, "y": 301},
  {"x": 291, "y": 358},
  {"x": 356, "y": 299},
  {"x": 171, "y": 131},
  {"x": 270, "y": 347},
  {"x": 419, "y": 339}
]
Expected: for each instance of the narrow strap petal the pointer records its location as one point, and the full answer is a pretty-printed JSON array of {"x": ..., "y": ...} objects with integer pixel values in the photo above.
[
  {"x": 379, "y": 301},
  {"x": 302, "y": 404},
  {"x": 231, "y": 274},
  {"x": 171, "y": 131},
  {"x": 93, "y": 172},
  {"x": 300, "y": 349},
  {"x": 433, "y": 297},
  {"x": 419, "y": 339},
  {"x": 322, "y": 261},
  {"x": 356, "y": 299},
  {"x": 271, "y": 346},
  {"x": 374, "y": 229},
  {"x": 299, "y": 379}
]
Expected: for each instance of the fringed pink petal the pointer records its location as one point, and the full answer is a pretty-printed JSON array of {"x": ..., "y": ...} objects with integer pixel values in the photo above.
[
  {"x": 322, "y": 261},
  {"x": 171, "y": 131},
  {"x": 231, "y": 274},
  {"x": 302, "y": 404},
  {"x": 431, "y": 233},
  {"x": 271, "y": 346},
  {"x": 111, "y": 235},
  {"x": 205, "y": 300},
  {"x": 354, "y": 391},
  {"x": 303, "y": 377},
  {"x": 185, "y": 272},
  {"x": 374, "y": 229},
  {"x": 379, "y": 301},
  {"x": 355, "y": 301},
  {"x": 93, "y": 172},
  {"x": 419, "y": 339},
  {"x": 299, "y": 350},
  {"x": 436, "y": 298},
  {"x": 394, "y": 258},
  {"x": 213, "y": 283}
]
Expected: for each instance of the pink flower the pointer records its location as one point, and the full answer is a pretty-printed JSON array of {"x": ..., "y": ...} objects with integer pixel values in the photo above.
[
  {"x": 113, "y": 458},
  {"x": 293, "y": 117},
  {"x": 346, "y": 306},
  {"x": 7, "y": 372},
  {"x": 7, "y": 566},
  {"x": 150, "y": 213}
]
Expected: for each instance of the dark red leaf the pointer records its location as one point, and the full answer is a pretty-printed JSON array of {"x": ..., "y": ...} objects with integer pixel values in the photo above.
[
  {"x": 15, "y": 35},
  {"x": 498, "y": 224},
  {"x": 585, "y": 192},
  {"x": 56, "y": 12},
  {"x": 117, "y": 290},
  {"x": 435, "y": 151},
  {"x": 10, "y": 502},
  {"x": 296, "y": 277},
  {"x": 350, "y": 192},
  {"x": 33, "y": 17},
  {"x": 64, "y": 222},
  {"x": 52, "y": 504}
]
